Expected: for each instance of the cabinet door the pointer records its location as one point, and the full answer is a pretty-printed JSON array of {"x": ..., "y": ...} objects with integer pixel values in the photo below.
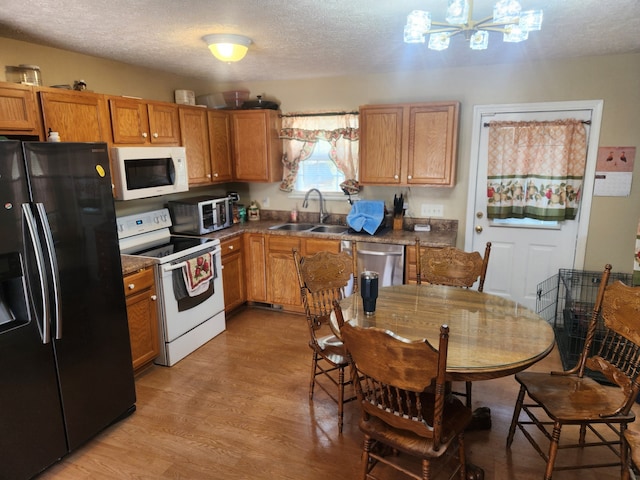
[
  {"x": 381, "y": 145},
  {"x": 433, "y": 139},
  {"x": 257, "y": 150},
  {"x": 129, "y": 121},
  {"x": 18, "y": 111},
  {"x": 233, "y": 273},
  {"x": 77, "y": 116},
  {"x": 195, "y": 139},
  {"x": 283, "y": 287},
  {"x": 220, "y": 146},
  {"x": 142, "y": 315},
  {"x": 255, "y": 268},
  {"x": 164, "y": 123}
]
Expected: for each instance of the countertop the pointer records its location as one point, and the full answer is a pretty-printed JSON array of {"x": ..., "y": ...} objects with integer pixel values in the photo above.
[{"x": 442, "y": 234}]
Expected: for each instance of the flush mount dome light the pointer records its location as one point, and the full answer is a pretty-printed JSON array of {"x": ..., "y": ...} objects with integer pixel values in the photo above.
[{"x": 228, "y": 47}]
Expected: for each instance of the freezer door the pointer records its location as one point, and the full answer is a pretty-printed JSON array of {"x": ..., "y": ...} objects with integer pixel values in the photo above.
[
  {"x": 70, "y": 186},
  {"x": 32, "y": 435}
]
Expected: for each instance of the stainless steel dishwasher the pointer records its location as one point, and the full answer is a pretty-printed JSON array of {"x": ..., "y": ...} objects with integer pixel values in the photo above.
[{"x": 385, "y": 258}]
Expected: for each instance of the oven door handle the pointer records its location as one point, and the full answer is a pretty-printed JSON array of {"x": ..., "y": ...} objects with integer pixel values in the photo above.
[{"x": 169, "y": 267}]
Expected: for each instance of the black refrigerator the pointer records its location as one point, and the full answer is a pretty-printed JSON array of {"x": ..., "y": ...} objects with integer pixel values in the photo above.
[{"x": 65, "y": 357}]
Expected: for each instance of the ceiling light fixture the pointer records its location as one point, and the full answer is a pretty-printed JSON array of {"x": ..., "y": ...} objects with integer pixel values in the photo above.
[
  {"x": 228, "y": 47},
  {"x": 507, "y": 19}
]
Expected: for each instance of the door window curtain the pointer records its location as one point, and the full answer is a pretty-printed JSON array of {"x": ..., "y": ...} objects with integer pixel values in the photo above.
[
  {"x": 300, "y": 134},
  {"x": 535, "y": 169}
]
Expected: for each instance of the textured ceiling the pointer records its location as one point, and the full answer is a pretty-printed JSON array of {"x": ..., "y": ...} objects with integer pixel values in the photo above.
[{"x": 296, "y": 39}]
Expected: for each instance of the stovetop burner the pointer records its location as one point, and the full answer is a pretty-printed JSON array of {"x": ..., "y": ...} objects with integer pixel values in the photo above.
[{"x": 147, "y": 235}]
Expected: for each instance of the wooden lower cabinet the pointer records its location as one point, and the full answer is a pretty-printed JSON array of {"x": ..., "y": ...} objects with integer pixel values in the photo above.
[
  {"x": 142, "y": 314},
  {"x": 233, "y": 273},
  {"x": 282, "y": 280}
]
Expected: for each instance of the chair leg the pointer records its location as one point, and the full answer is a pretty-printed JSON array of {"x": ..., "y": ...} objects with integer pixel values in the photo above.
[
  {"x": 516, "y": 416},
  {"x": 314, "y": 366},
  {"x": 366, "y": 448},
  {"x": 462, "y": 457},
  {"x": 625, "y": 457},
  {"x": 426, "y": 470},
  {"x": 553, "y": 450},
  {"x": 340, "y": 398},
  {"x": 468, "y": 390}
]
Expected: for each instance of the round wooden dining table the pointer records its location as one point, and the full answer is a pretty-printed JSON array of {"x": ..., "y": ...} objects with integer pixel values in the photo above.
[{"x": 489, "y": 337}]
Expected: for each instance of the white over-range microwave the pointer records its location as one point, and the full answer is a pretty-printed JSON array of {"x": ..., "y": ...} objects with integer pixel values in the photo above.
[{"x": 141, "y": 172}]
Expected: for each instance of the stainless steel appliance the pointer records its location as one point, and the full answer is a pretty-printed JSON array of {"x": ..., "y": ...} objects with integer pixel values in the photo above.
[
  {"x": 140, "y": 172},
  {"x": 65, "y": 357},
  {"x": 187, "y": 320},
  {"x": 385, "y": 258},
  {"x": 200, "y": 215}
]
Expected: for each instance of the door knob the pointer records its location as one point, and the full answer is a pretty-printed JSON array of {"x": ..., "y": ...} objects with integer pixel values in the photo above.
[
  {"x": 478, "y": 228},
  {"x": 479, "y": 215}
]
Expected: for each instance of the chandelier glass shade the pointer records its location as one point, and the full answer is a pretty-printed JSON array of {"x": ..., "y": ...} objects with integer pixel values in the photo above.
[
  {"x": 507, "y": 19},
  {"x": 227, "y": 47}
]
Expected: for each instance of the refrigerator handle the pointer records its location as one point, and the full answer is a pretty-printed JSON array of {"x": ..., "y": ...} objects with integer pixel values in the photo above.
[
  {"x": 53, "y": 264},
  {"x": 43, "y": 323}
]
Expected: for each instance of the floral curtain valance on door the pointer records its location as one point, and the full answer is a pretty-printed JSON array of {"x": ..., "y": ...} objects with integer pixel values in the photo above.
[
  {"x": 300, "y": 135},
  {"x": 535, "y": 169}
]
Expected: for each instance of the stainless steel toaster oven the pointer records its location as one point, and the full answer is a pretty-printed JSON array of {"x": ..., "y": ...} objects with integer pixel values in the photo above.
[{"x": 200, "y": 215}]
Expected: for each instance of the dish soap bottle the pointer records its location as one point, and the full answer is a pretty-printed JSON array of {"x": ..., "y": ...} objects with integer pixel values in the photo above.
[
  {"x": 294, "y": 214},
  {"x": 254, "y": 212}
]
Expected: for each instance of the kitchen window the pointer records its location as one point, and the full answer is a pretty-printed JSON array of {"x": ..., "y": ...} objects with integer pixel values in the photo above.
[
  {"x": 320, "y": 151},
  {"x": 319, "y": 171}
]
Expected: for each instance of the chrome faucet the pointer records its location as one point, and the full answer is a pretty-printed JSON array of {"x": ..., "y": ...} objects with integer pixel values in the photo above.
[{"x": 305, "y": 204}]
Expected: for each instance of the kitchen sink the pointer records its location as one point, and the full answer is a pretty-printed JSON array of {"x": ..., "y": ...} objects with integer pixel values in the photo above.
[
  {"x": 310, "y": 227},
  {"x": 329, "y": 229},
  {"x": 293, "y": 227}
]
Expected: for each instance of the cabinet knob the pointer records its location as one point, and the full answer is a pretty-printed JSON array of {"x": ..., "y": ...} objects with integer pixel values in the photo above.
[
  {"x": 154, "y": 297},
  {"x": 131, "y": 286},
  {"x": 215, "y": 175},
  {"x": 144, "y": 134},
  {"x": 395, "y": 177},
  {"x": 208, "y": 175},
  {"x": 155, "y": 135},
  {"x": 409, "y": 177}
]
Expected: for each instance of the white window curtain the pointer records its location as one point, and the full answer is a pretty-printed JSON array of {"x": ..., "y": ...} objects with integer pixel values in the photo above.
[{"x": 300, "y": 134}]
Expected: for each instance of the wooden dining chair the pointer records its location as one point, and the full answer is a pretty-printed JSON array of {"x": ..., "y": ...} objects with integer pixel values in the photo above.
[
  {"x": 557, "y": 399},
  {"x": 323, "y": 278},
  {"x": 456, "y": 268},
  {"x": 400, "y": 386}
]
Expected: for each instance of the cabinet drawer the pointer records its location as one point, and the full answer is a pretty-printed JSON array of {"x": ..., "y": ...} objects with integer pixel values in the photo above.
[
  {"x": 283, "y": 243},
  {"x": 136, "y": 282},
  {"x": 230, "y": 246}
]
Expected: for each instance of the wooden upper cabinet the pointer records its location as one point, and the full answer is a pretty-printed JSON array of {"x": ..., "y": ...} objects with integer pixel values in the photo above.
[
  {"x": 138, "y": 122},
  {"x": 195, "y": 139},
  {"x": 18, "y": 110},
  {"x": 77, "y": 116},
  {"x": 257, "y": 148},
  {"x": 409, "y": 144},
  {"x": 219, "y": 125}
]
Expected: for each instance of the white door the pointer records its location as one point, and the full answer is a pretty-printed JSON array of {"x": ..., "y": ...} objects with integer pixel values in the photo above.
[{"x": 527, "y": 252}]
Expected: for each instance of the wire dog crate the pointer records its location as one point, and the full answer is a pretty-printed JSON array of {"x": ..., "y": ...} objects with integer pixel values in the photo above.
[{"x": 566, "y": 301}]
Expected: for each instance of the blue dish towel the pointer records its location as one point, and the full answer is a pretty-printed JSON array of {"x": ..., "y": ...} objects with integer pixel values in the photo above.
[{"x": 366, "y": 215}]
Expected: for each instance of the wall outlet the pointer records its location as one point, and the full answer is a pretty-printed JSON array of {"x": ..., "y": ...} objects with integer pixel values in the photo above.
[
  {"x": 431, "y": 210},
  {"x": 265, "y": 202}
]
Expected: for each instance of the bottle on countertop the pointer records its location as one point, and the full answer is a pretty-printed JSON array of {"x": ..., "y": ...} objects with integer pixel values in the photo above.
[
  {"x": 53, "y": 136},
  {"x": 254, "y": 211},
  {"x": 294, "y": 214}
]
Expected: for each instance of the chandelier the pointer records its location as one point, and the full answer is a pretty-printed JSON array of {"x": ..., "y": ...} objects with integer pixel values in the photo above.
[{"x": 507, "y": 19}]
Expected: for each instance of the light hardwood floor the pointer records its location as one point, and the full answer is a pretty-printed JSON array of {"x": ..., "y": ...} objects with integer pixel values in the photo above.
[{"x": 238, "y": 408}]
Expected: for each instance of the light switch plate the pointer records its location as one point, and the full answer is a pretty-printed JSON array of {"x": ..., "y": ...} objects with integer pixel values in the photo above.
[{"x": 431, "y": 210}]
